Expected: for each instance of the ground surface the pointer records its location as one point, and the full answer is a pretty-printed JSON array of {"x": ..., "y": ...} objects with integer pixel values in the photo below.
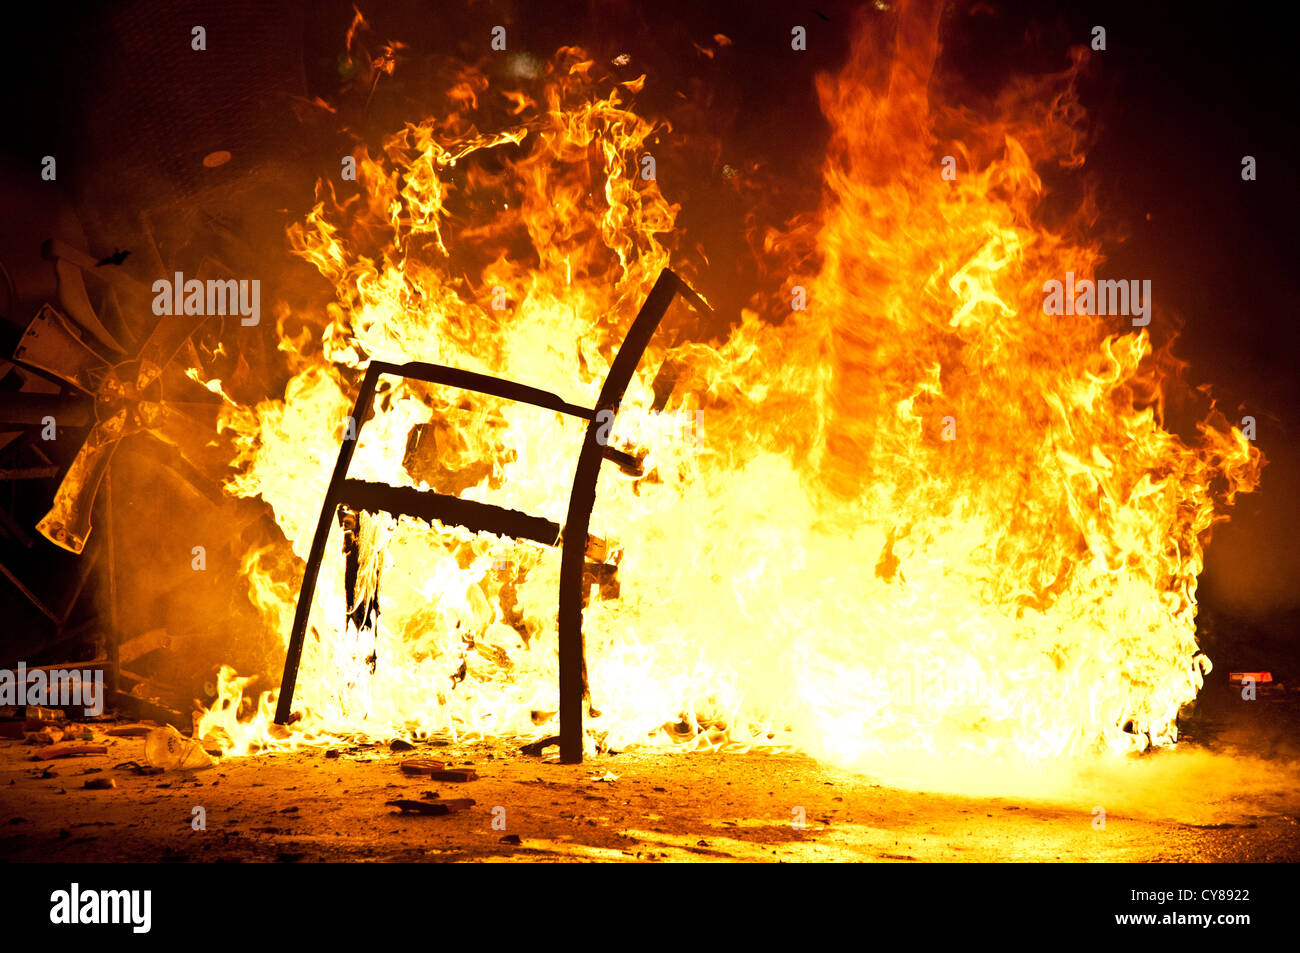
[{"x": 641, "y": 805}]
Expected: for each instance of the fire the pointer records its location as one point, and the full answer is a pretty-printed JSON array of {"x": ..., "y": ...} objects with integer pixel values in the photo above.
[{"x": 920, "y": 516}]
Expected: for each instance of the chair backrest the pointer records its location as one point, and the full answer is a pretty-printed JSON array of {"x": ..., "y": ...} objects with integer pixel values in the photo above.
[{"x": 484, "y": 517}]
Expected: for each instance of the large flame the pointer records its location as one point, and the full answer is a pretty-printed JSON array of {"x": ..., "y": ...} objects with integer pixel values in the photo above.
[{"x": 920, "y": 517}]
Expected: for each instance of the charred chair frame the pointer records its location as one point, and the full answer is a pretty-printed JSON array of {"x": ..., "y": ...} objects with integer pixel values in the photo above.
[{"x": 484, "y": 517}]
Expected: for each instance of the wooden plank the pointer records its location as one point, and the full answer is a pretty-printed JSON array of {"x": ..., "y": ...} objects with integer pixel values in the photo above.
[
  {"x": 454, "y": 775},
  {"x": 422, "y": 766}
]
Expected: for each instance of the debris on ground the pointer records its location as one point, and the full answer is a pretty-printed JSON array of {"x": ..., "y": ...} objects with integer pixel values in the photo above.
[
  {"x": 38, "y": 717},
  {"x": 431, "y": 808},
  {"x": 135, "y": 730},
  {"x": 454, "y": 775},
  {"x": 69, "y": 751},
  {"x": 135, "y": 767},
  {"x": 422, "y": 766},
  {"x": 168, "y": 748}
]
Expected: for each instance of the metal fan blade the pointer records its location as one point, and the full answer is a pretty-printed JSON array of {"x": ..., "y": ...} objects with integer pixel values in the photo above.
[
  {"x": 168, "y": 336},
  {"x": 67, "y": 524},
  {"x": 123, "y": 297},
  {"x": 172, "y": 331},
  {"x": 55, "y": 249},
  {"x": 73, "y": 297},
  {"x": 51, "y": 344}
]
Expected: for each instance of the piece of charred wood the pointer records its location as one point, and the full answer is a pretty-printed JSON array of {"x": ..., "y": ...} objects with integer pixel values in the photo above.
[
  {"x": 432, "y": 808},
  {"x": 534, "y": 749},
  {"x": 69, "y": 751},
  {"x": 454, "y": 775},
  {"x": 422, "y": 766},
  {"x": 603, "y": 575},
  {"x": 633, "y": 464}
]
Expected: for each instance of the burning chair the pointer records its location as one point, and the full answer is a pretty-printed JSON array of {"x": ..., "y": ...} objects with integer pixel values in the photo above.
[{"x": 572, "y": 537}]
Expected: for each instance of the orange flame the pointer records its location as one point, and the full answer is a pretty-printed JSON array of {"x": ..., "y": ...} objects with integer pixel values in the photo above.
[{"x": 921, "y": 517}]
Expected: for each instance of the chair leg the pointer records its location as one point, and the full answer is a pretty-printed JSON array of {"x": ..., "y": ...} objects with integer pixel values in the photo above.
[
  {"x": 293, "y": 657},
  {"x": 578, "y": 519},
  {"x": 573, "y": 560}
]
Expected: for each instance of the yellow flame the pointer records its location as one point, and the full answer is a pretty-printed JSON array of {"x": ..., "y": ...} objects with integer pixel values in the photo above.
[{"x": 920, "y": 517}]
